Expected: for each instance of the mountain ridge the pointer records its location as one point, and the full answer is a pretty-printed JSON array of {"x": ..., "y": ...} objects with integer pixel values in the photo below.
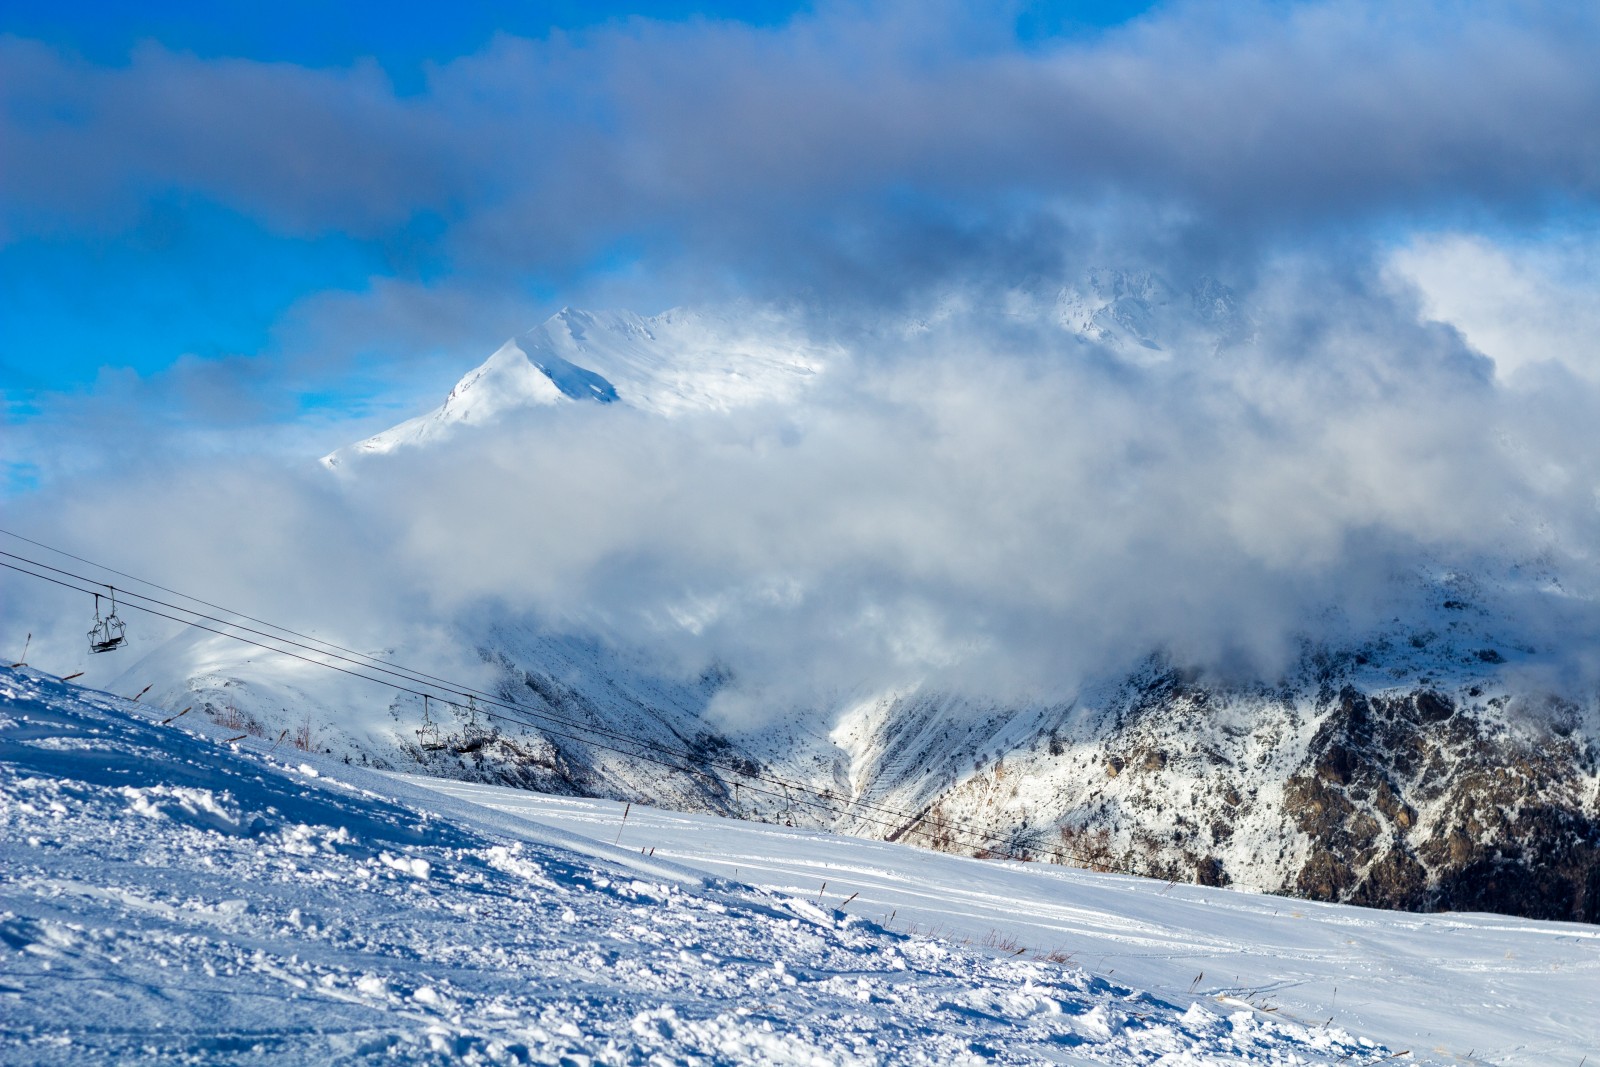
[
  {"x": 672, "y": 364},
  {"x": 1418, "y": 762}
]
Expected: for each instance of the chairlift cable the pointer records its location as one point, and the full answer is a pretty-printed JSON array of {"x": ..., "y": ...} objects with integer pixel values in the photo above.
[
  {"x": 381, "y": 681},
  {"x": 205, "y": 603},
  {"x": 807, "y": 792},
  {"x": 378, "y": 665},
  {"x": 691, "y": 770},
  {"x": 810, "y": 796},
  {"x": 398, "y": 671},
  {"x": 294, "y": 655},
  {"x": 405, "y": 674}
]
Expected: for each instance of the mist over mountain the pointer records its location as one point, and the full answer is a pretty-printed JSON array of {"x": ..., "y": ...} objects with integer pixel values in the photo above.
[
  {"x": 1296, "y": 561},
  {"x": 1133, "y": 465},
  {"x": 872, "y": 505}
]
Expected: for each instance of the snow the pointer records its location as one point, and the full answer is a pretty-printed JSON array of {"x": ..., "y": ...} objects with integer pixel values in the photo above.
[
  {"x": 264, "y": 694},
  {"x": 506, "y": 381},
  {"x": 1464, "y": 988},
  {"x": 167, "y": 897},
  {"x": 716, "y": 360},
  {"x": 1209, "y": 779},
  {"x": 671, "y": 364},
  {"x": 686, "y": 360}
]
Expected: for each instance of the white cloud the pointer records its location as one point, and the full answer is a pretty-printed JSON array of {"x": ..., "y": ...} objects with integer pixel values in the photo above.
[
  {"x": 1522, "y": 304},
  {"x": 988, "y": 503}
]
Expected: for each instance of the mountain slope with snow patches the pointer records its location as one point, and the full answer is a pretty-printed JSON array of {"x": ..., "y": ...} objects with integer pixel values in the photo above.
[
  {"x": 169, "y": 895},
  {"x": 1427, "y": 762},
  {"x": 573, "y": 695},
  {"x": 1405, "y": 771}
]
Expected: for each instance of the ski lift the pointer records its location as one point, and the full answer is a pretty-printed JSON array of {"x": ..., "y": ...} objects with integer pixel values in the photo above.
[
  {"x": 473, "y": 732},
  {"x": 428, "y": 736},
  {"x": 109, "y": 633}
]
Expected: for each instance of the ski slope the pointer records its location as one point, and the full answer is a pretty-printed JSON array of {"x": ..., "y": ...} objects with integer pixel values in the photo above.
[
  {"x": 1460, "y": 988},
  {"x": 171, "y": 894}
]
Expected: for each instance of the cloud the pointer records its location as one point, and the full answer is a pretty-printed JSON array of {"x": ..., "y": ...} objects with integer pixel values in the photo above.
[
  {"x": 1527, "y": 305},
  {"x": 858, "y": 156},
  {"x": 981, "y": 501},
  {"x": 972, "y": 498},
  {"x": 305, "y": 150},
  {"x": 540, "y": 152}
]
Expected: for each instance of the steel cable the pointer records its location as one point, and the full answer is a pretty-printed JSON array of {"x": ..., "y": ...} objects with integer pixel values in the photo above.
[{"x": 782, "y": 789}]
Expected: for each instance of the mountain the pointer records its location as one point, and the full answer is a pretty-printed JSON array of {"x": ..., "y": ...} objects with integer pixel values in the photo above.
[
  {"x": 1135, "y": 311},
  {"x": 1413, "y": 769},
  {"x": 170, "y": 895},
  {"x": 575, "y": 690},
  {"x": 669, "y": 364},
  {"x": 1422, "y": 763},
  {"x": 685, "y": 360}
]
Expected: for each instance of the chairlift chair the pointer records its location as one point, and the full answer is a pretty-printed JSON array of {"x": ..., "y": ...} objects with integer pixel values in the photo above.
[
  {"x": 428, "y": 736},
  {"x": 109, "y": 633}
]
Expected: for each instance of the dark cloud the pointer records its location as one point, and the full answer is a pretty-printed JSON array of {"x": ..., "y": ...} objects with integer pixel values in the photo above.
[
  {"x": 857, "y": 156},
  {"x": 540, "y": 152},
  {"x": 304, "y": 150}
]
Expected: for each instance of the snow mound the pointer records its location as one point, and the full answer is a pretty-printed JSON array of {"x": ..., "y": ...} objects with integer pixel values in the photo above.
[{"x": 168, "y": 896}]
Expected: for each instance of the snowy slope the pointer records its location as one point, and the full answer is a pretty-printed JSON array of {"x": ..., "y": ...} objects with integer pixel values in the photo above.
[
  {"x": 1463, "y": 988},
  {"x": 169, "y": 897},
  {"x": 574, "y": 680}
]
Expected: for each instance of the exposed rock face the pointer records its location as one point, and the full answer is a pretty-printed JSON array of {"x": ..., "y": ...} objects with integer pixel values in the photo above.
[
  {"x": 1357, "y": 778},
  {"x": 1415, "y": 798},
  {"x": 1510, "y": 822},
  {"x": 1418, "y": 798}
]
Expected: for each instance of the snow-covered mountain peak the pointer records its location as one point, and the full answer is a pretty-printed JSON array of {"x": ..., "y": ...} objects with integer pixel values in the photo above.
[
  {"x": 671, "y": 364},
  {"x": 1142, "y": 315},
  {"x": 683, "y": 360},
  {"x": 688, "y": 360},
  {"x": 575, "y": 325},
  {"x": 508, "y": 380},
  {"x": 1137, "y": 316}
]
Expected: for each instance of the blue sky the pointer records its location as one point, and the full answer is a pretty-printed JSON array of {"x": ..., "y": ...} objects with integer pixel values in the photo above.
[
  {"x": 405, "y": 34},
  {"x": 402, "y": 35}
]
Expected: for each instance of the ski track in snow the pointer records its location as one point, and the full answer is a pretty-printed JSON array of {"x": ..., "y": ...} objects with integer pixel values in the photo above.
[
  {"x": 1462, "y": 988},
  {"x": 165, "y": 897}
]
